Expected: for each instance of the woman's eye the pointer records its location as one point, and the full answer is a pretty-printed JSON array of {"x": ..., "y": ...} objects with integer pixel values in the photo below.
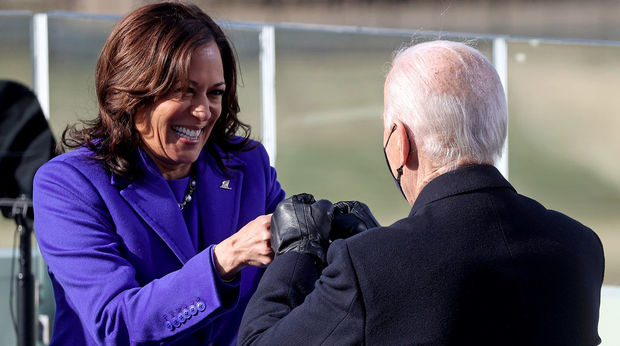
[
  {"x": 178, "y": 92},
  {"x": 217, "y": 92}
]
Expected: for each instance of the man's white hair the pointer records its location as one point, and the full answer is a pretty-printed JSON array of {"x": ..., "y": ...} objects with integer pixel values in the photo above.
[{"x": 451, "y": 98}]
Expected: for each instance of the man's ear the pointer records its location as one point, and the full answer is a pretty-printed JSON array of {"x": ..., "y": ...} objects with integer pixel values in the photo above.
[{"x": 407, "y": 153}]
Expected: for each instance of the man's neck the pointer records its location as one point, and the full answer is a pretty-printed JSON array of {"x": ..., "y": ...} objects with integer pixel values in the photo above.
[{"x": 426, "y": 172}]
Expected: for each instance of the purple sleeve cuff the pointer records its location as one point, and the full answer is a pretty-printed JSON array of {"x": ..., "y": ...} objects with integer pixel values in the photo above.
[{"x": 223, "y": 286}]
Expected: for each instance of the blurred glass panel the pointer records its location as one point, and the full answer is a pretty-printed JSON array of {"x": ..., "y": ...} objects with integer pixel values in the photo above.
[
  {"x": 74, "y": 46},
  {"x": 15, "y": 32},
  {"x": 246, "y": 45},
  {"x": 564, "y": 118},
  {"x": 329, "y": 103}
]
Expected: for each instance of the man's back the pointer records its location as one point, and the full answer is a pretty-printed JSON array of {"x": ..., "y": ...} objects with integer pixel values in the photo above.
[{"x": 476, "y": 263}]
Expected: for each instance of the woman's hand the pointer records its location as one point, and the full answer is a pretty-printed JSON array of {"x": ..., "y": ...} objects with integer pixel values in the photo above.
[{"x": 249, "y": 246}]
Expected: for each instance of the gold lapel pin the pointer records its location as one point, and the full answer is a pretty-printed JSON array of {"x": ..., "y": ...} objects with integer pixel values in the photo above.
[{"x": 225, "y": 184}]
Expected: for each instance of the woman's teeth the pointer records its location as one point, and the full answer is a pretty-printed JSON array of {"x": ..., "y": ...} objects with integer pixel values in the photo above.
[{"x": 187, "y": 133}]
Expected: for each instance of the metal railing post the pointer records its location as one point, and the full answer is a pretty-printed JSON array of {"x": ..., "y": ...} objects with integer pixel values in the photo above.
[
  {"x": 40, "y": 64},
  {"x": 268, "y": 90},
  {"x": 500, "y": 60}
]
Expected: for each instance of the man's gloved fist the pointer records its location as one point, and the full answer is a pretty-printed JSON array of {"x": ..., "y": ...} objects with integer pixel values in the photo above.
[
  {"x": 351, "y": 218},
  {"x": 302, "y": 224}
]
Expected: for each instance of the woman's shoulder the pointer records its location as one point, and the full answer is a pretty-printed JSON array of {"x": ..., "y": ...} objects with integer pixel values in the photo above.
[
  {"x": 250, "y": 143},
  {"x": 251, "y": 152},
  {"x": 81, "y": 156},
  {"x": 78, "y": 160}
]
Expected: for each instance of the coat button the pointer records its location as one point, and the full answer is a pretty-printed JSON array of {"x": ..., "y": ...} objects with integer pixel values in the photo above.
[
  {"x": 181, "y": 318},
  {"x": 193, "y": 310},
  {"x": 176, "y": 323},
  {"x": 187, "y": 314},
  {"x": 169, "y": 325},
  {"x": 201, "y": 306}
]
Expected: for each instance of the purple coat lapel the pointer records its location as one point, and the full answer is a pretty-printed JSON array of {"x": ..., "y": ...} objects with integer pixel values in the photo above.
[
  {"x": 219, "y": 195},
  {"x": 157, "y": 207}
]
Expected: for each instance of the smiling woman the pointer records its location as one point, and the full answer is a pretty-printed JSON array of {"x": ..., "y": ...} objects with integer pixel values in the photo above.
[{"x": 128, "y": 221}]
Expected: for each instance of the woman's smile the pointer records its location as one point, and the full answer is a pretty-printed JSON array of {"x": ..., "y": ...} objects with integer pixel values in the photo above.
[{"x": 187, "y": 133}]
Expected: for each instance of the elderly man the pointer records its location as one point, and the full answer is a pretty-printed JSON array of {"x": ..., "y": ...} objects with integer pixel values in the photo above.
[{"x": 474, "y": 263}]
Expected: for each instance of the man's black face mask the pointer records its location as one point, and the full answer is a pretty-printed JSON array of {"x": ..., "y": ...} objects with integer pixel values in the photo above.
[{"x": 399, "y": 169}]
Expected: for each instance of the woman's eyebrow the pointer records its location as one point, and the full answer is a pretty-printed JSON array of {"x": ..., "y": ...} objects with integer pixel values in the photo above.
[{"x": 194, "y": 83}]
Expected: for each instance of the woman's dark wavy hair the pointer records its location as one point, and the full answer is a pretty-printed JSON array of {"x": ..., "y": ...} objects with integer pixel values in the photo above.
[{"x": 147, "y": 54}]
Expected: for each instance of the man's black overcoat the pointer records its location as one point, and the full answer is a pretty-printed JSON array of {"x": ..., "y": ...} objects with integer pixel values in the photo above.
[{"x": 474, "y": 263}]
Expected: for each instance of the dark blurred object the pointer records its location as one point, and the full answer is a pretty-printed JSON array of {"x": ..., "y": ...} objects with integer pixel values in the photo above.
[{"x": 26, "y": 141}]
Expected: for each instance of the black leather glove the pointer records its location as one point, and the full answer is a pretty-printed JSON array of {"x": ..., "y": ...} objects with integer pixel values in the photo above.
[
  {"x": 351, "y": 218},
  {"x": 302, "y": 224}
]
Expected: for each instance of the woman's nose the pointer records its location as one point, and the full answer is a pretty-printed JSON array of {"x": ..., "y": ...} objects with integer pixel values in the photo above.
[{"x": 200, "y": 109}]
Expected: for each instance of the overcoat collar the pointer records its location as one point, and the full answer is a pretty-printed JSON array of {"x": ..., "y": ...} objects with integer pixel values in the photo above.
[
  {"x": 152, "y": 199},
  {"x": 461, "y": 180}
]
